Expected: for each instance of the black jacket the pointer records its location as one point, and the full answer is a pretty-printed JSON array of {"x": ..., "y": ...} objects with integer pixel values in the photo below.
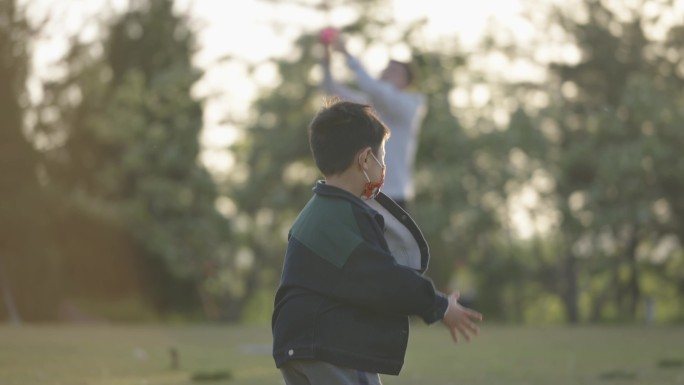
[{"x": 343, "y": 298}]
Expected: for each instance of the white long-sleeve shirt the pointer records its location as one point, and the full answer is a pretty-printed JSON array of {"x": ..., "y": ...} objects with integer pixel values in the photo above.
[{"x": 403, "y": 112}]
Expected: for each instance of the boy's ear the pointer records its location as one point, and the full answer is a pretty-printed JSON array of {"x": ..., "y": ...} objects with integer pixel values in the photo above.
[{"x": 363, "y": 157}]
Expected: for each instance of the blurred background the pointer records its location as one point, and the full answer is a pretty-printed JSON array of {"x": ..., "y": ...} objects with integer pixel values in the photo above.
[{"x": 153, "y": 153}]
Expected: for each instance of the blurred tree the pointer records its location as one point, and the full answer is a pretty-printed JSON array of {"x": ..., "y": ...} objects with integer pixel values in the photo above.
[
  {"x": 615, "y": 194},
  {"x": 29, "y": 262},
  {"x": 606, "y": 138},
  {"x": 273, "y": 176},
  {"x": 580, "y": 146},
  {"x": 274, "y": 171},
  {"x": 128, "y": 165}
]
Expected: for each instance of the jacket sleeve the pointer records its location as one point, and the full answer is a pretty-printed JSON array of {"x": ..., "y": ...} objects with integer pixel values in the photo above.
[{"x": 371, "y": 278}]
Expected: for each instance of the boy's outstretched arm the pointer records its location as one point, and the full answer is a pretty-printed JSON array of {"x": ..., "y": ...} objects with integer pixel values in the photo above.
[{"x": 460, "y": 319}]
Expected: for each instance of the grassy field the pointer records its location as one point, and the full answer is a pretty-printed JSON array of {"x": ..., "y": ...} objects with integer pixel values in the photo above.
[{"x": 117, "y": 355}]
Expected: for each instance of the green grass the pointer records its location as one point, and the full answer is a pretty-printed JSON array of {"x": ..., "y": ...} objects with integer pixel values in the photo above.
[{"x": 228, "y": 355}]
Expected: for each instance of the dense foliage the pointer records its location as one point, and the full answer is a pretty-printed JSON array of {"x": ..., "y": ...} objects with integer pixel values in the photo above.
[{"x": 547, "y": 200}]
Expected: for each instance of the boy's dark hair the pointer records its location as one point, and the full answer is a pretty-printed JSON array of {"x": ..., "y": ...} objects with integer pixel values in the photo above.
[{"x": 339, "y": 130}]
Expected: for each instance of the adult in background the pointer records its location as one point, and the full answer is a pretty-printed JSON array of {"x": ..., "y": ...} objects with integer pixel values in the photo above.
[{"x": 402, "y": 109}]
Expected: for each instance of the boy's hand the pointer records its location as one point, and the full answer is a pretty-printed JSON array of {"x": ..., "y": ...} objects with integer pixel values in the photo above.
[{"x": 459, "y": 319}]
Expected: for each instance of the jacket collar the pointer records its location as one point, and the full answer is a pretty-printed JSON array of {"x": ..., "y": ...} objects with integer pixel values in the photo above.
[{"x": 324, "y": 189}]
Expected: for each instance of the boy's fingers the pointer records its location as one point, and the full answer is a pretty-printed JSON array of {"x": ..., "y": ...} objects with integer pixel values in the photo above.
[
  {"x": 454, "y": 335},
  {"x": 474, "y": 315},
  {"x": 463, "y": 332},
  {"x": 470, "y": 317},
  {"x": 473, "y": 329}
]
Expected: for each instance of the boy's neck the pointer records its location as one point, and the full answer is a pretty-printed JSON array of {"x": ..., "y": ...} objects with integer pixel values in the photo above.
[{"x": 345, "y": 181}]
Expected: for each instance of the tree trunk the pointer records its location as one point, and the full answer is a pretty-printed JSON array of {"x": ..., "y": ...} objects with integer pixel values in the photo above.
[
  {"x": 600, "y": 300},
  {"x": 236, "y": 306},
  {"x": 10, "y": 305},
  {"x": 571, "y": 292},
  {"x": 633, "y": 286},
  {"x": 211, "y": 310}
]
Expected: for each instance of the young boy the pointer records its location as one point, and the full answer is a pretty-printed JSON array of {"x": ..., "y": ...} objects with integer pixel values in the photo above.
[{"x": 342, "y": 310}]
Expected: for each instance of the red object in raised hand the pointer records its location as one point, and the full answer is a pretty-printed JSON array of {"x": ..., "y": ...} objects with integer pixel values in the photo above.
[{"x": 327, "y": 35}]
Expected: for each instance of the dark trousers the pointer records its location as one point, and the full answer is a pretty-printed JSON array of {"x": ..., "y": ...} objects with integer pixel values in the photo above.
[{"x": 323, "y": 373}]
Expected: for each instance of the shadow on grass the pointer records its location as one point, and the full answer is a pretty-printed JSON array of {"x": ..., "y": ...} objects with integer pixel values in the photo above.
[
  {"x": 617, "y": 374},
  {"x": 219, "y": 375},
  {"x": 670, "y": 363}
]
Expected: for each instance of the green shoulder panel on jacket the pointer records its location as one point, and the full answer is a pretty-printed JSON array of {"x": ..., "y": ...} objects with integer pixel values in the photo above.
[{"x": 327, "y": 226}]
